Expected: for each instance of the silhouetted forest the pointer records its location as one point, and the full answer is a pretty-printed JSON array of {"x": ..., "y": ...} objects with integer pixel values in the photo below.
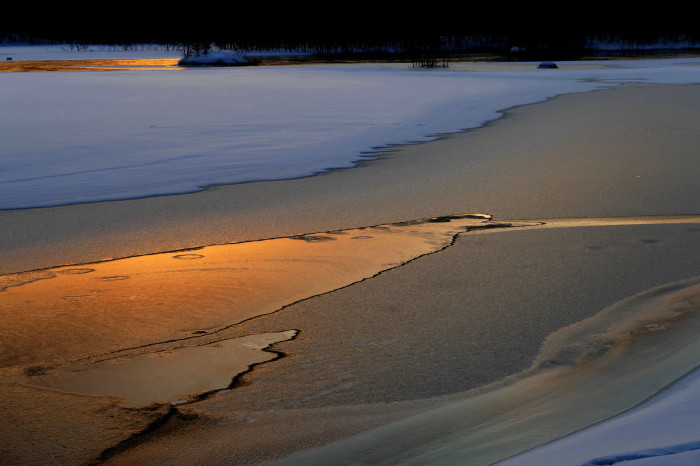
[{"x": 347, "y": 26}]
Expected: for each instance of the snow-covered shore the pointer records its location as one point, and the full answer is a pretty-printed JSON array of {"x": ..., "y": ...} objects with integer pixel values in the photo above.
[
  {"x": 78, "y": 137},
  {"x": 662, "y": 431}
]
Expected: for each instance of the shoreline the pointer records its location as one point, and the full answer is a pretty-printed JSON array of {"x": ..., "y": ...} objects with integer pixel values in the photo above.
[
  {"x": 400, "y": 126},
  {"x": 362, "y": 159},
  {"x": 471, "y": 171},
  {"x": 556, "y": 85},
  {"x": 359, "y": 158}
]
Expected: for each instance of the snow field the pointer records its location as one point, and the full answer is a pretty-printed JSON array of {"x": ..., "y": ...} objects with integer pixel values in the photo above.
[{"x": 72, "y": 137}]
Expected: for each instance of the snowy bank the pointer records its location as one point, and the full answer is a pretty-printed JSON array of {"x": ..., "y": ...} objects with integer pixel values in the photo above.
[{"x": 663, "y": 431}]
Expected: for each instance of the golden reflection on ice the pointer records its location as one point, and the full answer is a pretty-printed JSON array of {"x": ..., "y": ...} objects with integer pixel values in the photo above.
[
  {"x": 149, "y": 64},
  {"x": 56, "y": 315}
]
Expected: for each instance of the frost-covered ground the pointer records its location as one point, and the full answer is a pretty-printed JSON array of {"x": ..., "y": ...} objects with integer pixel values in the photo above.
[
  {"x": 663, "y": 431},
  {"x": 70, "y": 137}
]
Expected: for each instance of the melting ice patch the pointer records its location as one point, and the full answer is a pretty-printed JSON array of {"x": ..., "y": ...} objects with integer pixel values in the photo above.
[{"x": 176, "y": 376}]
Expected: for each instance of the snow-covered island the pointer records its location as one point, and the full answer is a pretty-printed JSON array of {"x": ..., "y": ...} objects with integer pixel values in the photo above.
[{"x": 216, "y": 58}]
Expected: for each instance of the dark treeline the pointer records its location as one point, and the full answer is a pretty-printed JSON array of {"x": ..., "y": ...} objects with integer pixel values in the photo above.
[{"x": 347, "y": 27}]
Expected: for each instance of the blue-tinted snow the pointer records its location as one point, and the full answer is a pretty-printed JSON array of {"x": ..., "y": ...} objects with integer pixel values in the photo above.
[
  {"x": 70, "y": 137},
  {"x": 664, "y": 430}
]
